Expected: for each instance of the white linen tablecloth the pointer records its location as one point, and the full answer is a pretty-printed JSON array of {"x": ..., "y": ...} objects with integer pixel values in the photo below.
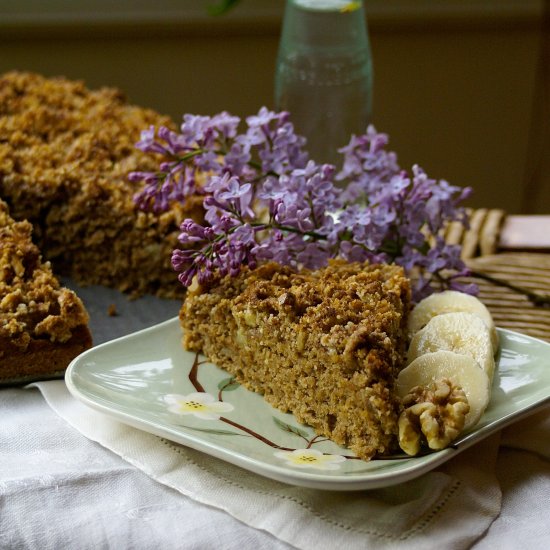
[
  {"x": 61, "y": 489},
  {"x": 71, "y": 477}
]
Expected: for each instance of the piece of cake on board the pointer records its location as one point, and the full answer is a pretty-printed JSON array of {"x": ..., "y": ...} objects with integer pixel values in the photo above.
[{"x": 43, "y": 326}]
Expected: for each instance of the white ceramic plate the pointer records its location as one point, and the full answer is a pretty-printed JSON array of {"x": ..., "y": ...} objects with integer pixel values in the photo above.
[{"x": 142, "y": 378}]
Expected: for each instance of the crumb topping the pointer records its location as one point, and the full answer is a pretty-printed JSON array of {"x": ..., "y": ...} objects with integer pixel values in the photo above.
[
  {"x": 65, "y": 155},
  {"x": 32, "y": 304}
]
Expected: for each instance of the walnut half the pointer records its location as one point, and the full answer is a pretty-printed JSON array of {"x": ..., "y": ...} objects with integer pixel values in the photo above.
[{"x": 432, "y": 415}]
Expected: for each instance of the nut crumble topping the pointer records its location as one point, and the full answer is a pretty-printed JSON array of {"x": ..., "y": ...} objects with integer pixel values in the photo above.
[
  {"x": 36, "y": 313},
  {"x": 65, "y": 156}
]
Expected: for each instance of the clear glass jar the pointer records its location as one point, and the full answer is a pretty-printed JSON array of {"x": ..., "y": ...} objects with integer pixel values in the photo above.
[{"x": 324, "y": 73}]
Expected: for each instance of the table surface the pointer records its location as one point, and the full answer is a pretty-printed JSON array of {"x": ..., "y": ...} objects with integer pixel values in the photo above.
[{"x": 58, "y": 490}]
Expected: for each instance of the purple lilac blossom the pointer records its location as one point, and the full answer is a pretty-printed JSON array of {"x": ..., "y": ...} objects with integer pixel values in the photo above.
[
  {"x": 367, "y": 165},
  {"x": 264, "y": 200}
]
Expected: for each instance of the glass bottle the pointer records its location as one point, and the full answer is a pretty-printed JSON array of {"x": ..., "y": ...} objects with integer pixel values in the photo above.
[{"x": 324, "y": 73}]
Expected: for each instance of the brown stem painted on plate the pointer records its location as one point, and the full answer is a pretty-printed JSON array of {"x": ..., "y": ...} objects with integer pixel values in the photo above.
[
  {"x": 193, "y": 375},
  {"x": 314, "y": 440},
  {"x": 220, "y": 393},
  {"x": 254, "y": 434}
]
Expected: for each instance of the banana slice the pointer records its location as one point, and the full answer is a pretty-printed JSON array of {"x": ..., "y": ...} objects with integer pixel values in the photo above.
[
  {"x": 460, "y": 369},
  {"x": 446, "y": 302},
  {"x": 461, "y": 332}
]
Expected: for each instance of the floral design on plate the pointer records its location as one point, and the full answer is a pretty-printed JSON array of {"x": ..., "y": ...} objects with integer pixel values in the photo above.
[
  {"x": 311, "y": 458},
  {"x": 201, "y": 405}
]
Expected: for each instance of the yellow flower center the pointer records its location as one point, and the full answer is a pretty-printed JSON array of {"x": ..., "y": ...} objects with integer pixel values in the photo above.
[
  {"x": 195, "y": 405},
  {"x": 307, "y": 459}
]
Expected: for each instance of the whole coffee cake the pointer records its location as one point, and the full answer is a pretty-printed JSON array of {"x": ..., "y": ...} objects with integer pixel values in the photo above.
[
  {"x": 42, "y": 325},
  {"x": 325, "y": 345},
  {"x": 65, "y": 156}
]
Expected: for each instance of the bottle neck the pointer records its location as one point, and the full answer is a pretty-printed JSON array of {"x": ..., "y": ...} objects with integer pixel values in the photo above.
[
  {"x": 314, "y": 26},
  {"x": 330, "y": 5}
]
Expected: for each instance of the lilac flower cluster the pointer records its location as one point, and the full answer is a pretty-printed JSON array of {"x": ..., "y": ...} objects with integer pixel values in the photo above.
[{"x": 266, "y": 200}]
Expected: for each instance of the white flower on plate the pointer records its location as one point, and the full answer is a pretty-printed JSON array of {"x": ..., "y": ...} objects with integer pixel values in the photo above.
[
  {"x": 202, "y": 405},
  {"x": 311, "y": 458}
]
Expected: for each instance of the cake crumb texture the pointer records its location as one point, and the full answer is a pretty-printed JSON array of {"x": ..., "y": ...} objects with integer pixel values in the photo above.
[
  {"x": 325, "y": 345},
  {"x": 43, "y": 326},
  {"x": 65, "y": 155}
]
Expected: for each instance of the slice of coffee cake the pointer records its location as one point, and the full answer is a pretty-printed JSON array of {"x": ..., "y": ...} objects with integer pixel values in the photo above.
[
  {"x": 42, "y": 325},
  {"x": 325, "y": 345}
]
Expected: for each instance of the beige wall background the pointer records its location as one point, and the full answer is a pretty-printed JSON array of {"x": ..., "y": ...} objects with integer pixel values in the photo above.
[{"x": 461, "y": 87}]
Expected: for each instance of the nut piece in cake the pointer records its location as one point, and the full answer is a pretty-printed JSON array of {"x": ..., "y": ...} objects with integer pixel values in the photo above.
[
  {"x": 325, "y": 345},
  {"x": 434, "y": 414}
]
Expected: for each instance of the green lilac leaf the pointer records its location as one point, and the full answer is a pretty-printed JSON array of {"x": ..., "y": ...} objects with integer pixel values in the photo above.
[{"x": 222, "y": 7}]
